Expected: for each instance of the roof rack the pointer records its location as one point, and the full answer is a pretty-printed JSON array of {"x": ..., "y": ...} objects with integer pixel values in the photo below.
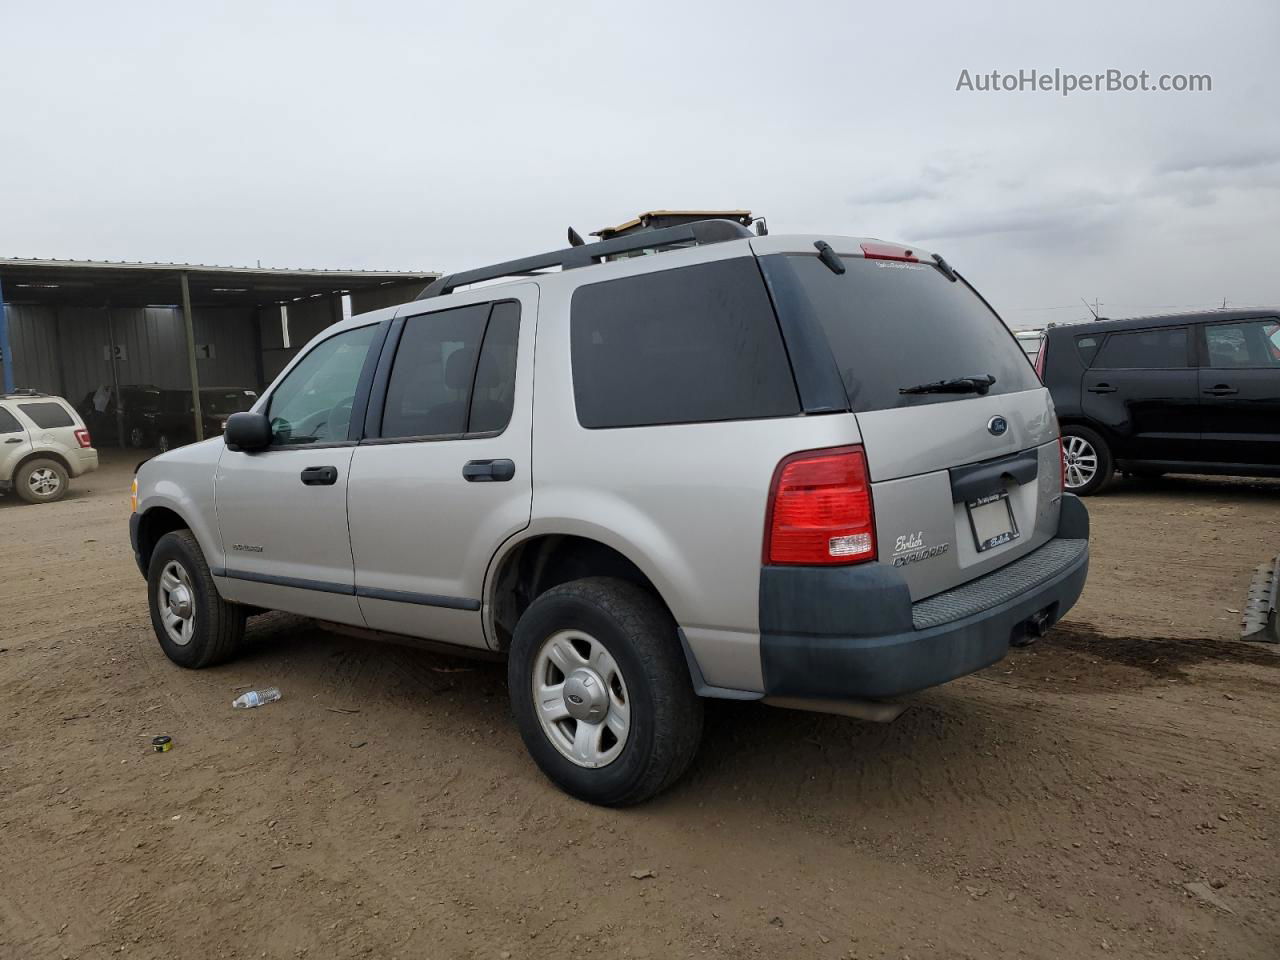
[{"x": 701, "y": 232}]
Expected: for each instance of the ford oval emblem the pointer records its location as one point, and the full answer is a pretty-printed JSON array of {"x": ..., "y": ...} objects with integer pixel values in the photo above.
[{"x": 997, "y": 426}]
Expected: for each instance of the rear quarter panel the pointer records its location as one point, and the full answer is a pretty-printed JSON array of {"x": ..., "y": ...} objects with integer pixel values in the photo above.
[{"x": 686, "y": 503}]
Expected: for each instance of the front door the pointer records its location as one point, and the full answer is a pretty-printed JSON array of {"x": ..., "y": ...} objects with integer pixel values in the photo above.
[
  {"x": 282, "y": 511},
  {"x": 1142, "y": 387},
  {"x": 443, "y": 475},
  {"x": 1240, "y": 392}
]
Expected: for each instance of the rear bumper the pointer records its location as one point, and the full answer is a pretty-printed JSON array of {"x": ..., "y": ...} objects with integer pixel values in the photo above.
[
  {"x": 83, "y": 461},
  {"x": 853, "y": 632}
]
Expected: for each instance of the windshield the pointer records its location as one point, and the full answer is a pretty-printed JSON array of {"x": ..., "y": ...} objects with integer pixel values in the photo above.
[
  {"x": 894, "y": 325},
  {"x": 227, "y": 401}
]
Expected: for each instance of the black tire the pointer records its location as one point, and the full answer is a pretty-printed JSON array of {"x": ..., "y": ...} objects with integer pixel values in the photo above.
[
  {"x": 163, "y": 443},
  {"x": 665, "y": 713},
  {"x": 137, "y": 438},
  {"x": 50, "y": 478},
  {"x": 1105, "y": 464},
  {"x": 218, "y": 625}
]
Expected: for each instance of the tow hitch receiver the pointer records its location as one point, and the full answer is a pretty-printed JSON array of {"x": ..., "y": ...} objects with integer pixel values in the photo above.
[{"x": 1033, "y": 628}]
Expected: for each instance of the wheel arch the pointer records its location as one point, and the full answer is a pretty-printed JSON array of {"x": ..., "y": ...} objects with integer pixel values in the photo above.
[
  {"x": 529, "y": 567},
  {"x": 153, "y": 524},
  {"x": 53, "y": 455}
]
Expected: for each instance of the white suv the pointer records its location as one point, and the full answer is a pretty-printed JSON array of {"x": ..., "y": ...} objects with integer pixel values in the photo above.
[
  {"x": 43, "y": 444},
  {"x": 724, "y": 470}
]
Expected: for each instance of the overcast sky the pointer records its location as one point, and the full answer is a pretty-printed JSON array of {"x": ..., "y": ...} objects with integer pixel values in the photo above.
[{"x": 423, "y": 136}]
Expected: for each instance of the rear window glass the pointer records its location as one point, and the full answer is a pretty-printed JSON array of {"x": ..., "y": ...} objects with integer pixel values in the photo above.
[
  {"x": 8, "y": 422},
  {"x": 47, "y": 416},
  {"x": 893, "y": 325},
  {"x": 1144, "y": 349},
  {"x": 431, "y": 378},
  {"x": 1254, "y": 343},
  {"x": 690, "y": 345},
  {"x": 1088, "y": 348}
]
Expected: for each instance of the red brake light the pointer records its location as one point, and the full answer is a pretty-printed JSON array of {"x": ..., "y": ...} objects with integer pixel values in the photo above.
[
  {"x": 888, "y": 251},
  {"x": 820, "y": 509},
  {"x": 83, "y": 438},
  {"x": 1044, "y": 346}
]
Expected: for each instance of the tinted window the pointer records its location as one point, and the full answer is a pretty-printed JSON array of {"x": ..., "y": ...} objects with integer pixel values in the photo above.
[
  {"x": 431, "y": 378},
  {"x": 46, "y": 416},
  {"x": 688, "y": 345},
  {"x": 1253, "y": 343},
  {"x": 1088, "y": 347},
  {"x": 313, "y": 402},
  {"x": 1144, "y": 349},
  {"x": 8, "y": 422},
  {"x": 892, "y": 325},
  {"x": 495, "y": 386}
]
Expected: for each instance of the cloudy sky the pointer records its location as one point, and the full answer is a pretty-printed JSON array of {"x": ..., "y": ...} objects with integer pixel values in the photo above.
[{"x": 438, "y": 136}]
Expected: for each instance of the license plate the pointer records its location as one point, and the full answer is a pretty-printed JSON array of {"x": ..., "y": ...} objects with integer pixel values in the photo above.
[{"x": 991, "y": 519}]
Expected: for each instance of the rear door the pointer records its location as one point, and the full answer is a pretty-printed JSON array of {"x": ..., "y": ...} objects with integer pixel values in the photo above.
[
  {"x": 1142, "y": 388},
  {"x": 1239, "y": 383},
  {"x": 13, "y": 443},
  {"x": 444, "y": 474}
]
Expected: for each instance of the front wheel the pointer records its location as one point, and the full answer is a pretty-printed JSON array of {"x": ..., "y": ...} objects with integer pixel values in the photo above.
[
  {"x": 1087, "y": 461},
  {"x": 195, "y": 626},
  {"x": 163, "y": 443},
  {"x": 601, "y": 691}
]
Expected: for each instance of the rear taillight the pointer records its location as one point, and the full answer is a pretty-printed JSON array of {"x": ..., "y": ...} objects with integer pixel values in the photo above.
[
  {"x": 820, "y": 509},
  {"x": 1062, "y": 465},
  {"x": 83, "y": 438},
  {"x": 1044, "y": 346},
  {"x": 888, "y": 251}
]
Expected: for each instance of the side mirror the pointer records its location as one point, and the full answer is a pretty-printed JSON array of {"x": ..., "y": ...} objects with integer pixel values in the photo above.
[{"x": 247, "y": 432}]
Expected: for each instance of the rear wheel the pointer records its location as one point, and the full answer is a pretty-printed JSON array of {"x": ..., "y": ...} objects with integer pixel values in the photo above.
[
  {"x": 601, "y": 692},
  {"x": 41, "y": 481},
  {"x": 163, "y": 443},
  {"x": 137, "y": 438},
  {"x": 1088, "y": 463},
  {"x": 195, "y": 626}
]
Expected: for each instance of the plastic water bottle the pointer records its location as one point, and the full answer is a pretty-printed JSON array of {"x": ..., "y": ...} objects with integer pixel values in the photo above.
[{"x": 256, "y": 698}]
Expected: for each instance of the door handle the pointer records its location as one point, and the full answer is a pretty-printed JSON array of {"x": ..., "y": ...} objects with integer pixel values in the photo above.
[
  {"x": 320, "y": 476},
  {"x": 488, "y": 471},
  {"x": 1102, "y": 388},
  {"x": 14, "y": 440},
  {"x": 1220, "y": 390}
]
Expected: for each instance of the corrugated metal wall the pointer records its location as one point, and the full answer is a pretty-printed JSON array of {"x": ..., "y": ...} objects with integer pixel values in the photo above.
[
  {"x": 33, "y": 338},
  {"x": 64, "y": 350}
]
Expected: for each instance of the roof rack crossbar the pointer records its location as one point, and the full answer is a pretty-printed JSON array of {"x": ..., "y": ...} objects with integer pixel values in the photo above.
[{"x": 700, "y": 232}]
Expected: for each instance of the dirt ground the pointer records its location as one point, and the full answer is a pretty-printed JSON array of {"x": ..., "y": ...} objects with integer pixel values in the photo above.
[{"x": 1113, "y": 791}]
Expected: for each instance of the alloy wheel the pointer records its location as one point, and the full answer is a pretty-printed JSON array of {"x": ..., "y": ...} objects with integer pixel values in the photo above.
[
  {"x": 176, "y": 602},
  {"x": 581, "y": 699},
  {"x": 1081, "y": 461}
]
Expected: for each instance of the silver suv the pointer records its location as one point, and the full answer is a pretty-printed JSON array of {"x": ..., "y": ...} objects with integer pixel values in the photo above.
[
  {"x": 43, "y": 444},
  {"x": 721, "y": 469}
]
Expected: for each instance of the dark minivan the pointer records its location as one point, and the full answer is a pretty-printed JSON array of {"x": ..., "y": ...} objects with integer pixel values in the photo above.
[{"x": 1185, "y": 393}]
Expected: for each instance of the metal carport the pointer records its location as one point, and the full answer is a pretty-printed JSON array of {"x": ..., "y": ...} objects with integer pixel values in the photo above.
[{"x": 67, "y": 325}]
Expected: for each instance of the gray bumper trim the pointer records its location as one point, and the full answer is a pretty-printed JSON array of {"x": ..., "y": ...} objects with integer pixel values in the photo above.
[{"x": 1001, "y": 586}]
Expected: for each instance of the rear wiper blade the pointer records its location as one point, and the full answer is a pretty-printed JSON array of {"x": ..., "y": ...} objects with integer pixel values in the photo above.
[{"x": 979, "y": 385}]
